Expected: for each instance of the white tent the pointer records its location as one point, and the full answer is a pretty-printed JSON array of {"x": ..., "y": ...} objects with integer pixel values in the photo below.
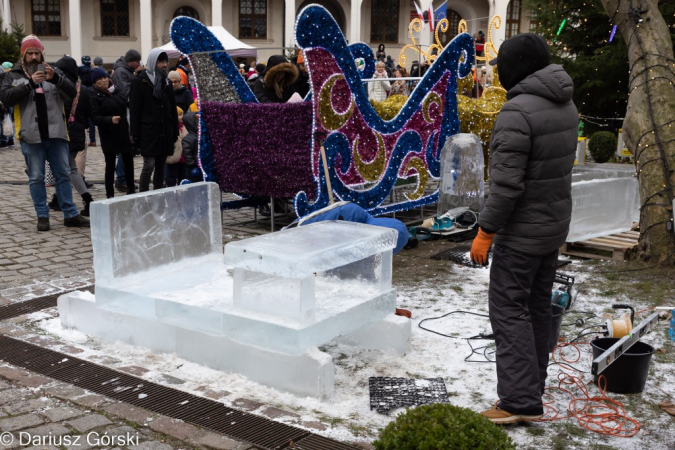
[{"x": 233, "y": 45}]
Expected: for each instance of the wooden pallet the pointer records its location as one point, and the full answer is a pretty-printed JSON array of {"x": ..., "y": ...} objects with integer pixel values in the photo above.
[{"x": 615, "y": 247}]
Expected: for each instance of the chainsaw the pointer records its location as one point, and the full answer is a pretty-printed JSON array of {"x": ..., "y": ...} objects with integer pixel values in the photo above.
[{"x": 565, "y": 294}]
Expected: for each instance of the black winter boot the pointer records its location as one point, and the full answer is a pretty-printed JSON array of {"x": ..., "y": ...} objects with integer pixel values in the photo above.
[
  {"x": 54, "y": 204},
  {"x": 86, "y": 197}
]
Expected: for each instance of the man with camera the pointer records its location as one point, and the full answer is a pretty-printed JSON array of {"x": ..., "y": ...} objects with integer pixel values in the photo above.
[{"x": 37, "y": 90}]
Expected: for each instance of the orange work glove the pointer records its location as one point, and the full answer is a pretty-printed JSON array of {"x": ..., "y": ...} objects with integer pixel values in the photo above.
[{"x": 481, "y": 245}]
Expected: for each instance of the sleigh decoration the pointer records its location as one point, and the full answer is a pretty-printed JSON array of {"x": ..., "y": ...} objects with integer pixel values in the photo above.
[{"x": 251, "y": 148}]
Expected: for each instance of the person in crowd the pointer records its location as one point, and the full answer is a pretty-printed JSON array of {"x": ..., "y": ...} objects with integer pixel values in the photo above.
[
  {"x": 527, "y": 214},
  {"x": 389, "y": 63},
  {"x": 277, "y": 84},
  {"x": 251, "y": 71},
  {"x": 480, "y": 43},
  {"x": 98, "y": 62},
  {"x": 380, "y": 55},
  {"x": 38, "y": 91},
  {"x": 259, "y": 70},
  {"x": 377, "y": 90},
  {"x": 399, "y": 87},
  {"x": 6, "y": 140},
  {"x": 110, "y": 116},
  {"x": 84, "y": 71},
  {"x": 242, "y": 70},
  {"x": 78, "y": 111},
  {"x": 301, "y": 85},
  {"x": 182, "y": 94},
  {"x": 175, "y": 164},
  {"x": 124, "y": 70},
  {"x": 154, "y": 118},
  {"x": 189, "y": 144},
  {"x": 184, "y": 70},
  {"x": 485, "y": 77}
]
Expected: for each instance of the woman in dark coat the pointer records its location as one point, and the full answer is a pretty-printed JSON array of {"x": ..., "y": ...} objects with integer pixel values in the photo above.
[
  {"x": 277, "y": 84},
  {"x": 110, "y": 116},
  {"x": 154, "y": 118}
]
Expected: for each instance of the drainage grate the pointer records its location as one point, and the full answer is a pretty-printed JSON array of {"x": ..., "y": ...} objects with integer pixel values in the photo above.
[
  {"x": 388, "y": 393},
  {"x": 205, "y": 413},
  {"x": 458, "y": 255},
  {"x": 36, "y": 304}
]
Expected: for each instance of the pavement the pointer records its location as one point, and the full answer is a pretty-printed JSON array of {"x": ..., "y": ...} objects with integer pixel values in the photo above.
[{"x": 39, "y": 412}]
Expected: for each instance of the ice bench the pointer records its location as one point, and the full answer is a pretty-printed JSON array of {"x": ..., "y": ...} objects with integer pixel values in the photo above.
[{"x": 161, "y": 282}]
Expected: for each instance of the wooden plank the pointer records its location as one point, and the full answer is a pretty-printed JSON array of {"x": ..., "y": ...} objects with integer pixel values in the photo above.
[
  {"x": 595, "y": 245},
  {"x": 618, "y": 243}
]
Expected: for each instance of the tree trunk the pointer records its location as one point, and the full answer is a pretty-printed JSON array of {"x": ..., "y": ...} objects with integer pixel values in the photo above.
[{"x": 649, "y": 126}]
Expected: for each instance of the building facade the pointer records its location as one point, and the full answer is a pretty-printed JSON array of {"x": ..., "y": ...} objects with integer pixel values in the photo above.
[{"x": 108, "y": 28}]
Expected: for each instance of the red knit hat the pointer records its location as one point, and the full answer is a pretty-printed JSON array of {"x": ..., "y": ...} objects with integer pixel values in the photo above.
[{"x": 31, "y": 41}]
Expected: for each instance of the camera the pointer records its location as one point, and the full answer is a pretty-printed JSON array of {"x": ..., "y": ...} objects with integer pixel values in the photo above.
[{"x": 41, "y": 68}]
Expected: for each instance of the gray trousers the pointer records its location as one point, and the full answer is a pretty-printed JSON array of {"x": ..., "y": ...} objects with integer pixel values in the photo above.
[{"x": 520, "y": 315}]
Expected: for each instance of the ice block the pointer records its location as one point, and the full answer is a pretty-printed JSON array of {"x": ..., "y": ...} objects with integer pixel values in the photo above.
[{"x": 462, "y": 173}]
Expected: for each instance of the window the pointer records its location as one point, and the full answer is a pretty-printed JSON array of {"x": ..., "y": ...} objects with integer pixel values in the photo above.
[
  {"x": 384, "y": 21},
  {"x": 253, "y": 19},
  {"x": 534, "y": 23},
  {"x": 46, "y": 17},
  {"x": 115, "y": 17},
  {"x": 513, "y": 18},
  {"x": 453, "y": 25},
  {"x": 186, "y": 11}
]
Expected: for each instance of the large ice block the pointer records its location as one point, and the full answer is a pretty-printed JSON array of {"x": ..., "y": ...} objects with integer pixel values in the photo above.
[
  {"x": 137, "y": 232},
  {"x": 601, "y": 207},
  {"x": 462, "y": 173}
]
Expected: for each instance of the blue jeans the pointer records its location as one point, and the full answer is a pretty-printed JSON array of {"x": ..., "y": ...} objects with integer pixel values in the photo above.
[
  {"x": 56, "y": 152},
  {"x": 92, "y": 131},
  {"x": 119, "y": 171}
]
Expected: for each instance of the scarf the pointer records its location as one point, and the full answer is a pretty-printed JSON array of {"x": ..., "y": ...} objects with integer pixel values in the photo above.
[{"x": 71, "y": 119}]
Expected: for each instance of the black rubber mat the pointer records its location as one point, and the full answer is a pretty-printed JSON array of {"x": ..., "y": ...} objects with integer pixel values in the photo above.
[
  {"x": 458, "y": 255},
  {"x": 387, "y": 394}
]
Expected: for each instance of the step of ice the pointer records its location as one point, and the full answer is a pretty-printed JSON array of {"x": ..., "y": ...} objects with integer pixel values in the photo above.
[{"x": 285, "y": 273}]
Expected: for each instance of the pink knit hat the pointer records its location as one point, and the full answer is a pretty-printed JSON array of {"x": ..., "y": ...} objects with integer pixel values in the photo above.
[{"x": 29, "y": 42}]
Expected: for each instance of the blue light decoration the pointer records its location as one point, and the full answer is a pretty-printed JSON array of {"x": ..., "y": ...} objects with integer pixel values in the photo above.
[
  {"x": 611, "y": 36},
  {"x": 407, "y": 146}
]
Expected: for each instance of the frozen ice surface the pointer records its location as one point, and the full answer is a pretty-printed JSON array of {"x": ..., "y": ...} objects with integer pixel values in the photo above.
[
  {"x": 462, "y": 173},
  {"x": 135, "y": 233},
  {"x": 601, "y": 207},
  {"x": 300, "y": 252}
]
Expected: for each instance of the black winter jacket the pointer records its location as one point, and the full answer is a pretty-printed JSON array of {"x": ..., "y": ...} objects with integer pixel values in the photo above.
[
  {"x": 77, "y": 129},
  {"x": 122, "y": 76},
  {"x": 264, "y": 86},
  {"x": 191, "y": 140},
  {"x": 532, "y": 153},
  {"x": 184, "y": 98},
  {"x": 114, "y": 138},
  {"x": 154, "y": 122}
]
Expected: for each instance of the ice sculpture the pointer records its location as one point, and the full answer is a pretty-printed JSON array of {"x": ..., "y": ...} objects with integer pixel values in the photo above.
[
  {"x": 262, "y": 311},
  {"x": 602, "y": 206},
  {"x": 462, "y": 173}
]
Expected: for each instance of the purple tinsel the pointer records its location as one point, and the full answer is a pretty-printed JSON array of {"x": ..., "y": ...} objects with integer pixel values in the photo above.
[{"x": 261, "y": 149}]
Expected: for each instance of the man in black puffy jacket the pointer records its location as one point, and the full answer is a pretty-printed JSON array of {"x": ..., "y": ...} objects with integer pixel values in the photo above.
[{"x": 528, "y": 214}]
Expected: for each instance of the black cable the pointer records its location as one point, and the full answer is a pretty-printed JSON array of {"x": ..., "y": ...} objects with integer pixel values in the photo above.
[
  {"x": 566, "y": 364},
  {"x": 584, "y": 334},
  {"x": 474, "y": 350},
  {"x": 446, "y": 315}
]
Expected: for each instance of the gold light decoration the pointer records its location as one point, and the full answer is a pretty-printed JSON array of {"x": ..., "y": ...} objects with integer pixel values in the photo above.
[
  {"x": 330, "y": 119},
  {"x": 432, "y": 98},
  {"x": 422, "y": 177},
  {"x": 373, "y": 170},
  {"x": 416, "y": 26},
  {"x": 389, "y": 108},
  {"x": 489, "y": 50}
]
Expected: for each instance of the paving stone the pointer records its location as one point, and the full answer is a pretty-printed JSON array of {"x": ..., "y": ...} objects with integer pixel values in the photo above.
[
  {"x": 246, "y": 404},
  {"x": 4, "y": 302},
  {"x": 314, "y": 425},
  {"x": 52, "y": 429},
  {"x": 64, "y": 391},
  {"x": 4, "y": 384},
  {"x": 171, "y": 380},
  {"x": 12, "y": 395},
  {"x": 214, "y": 441},
  {"x": 173, "y": 427},
  {"x": 90, "y": 400},
  {"x": 30, "y": 405},
  {"x": 71, "y": 350},
  {"x": 34, "y": 381},
  {"x": 151, "y": 445},
  {"x": 275, "y": 413},
  {"x": 134, "y": 370},
  {"x": 128, "y": 412},
  {"x": 63, "y": 413},
  {"x": 87, "y": 423},
  {"x": 213, "y": 394},
  {"x": 39, "y": 447},
  {"x": 11, "y": 373},
  {"x": 20, "y": 422}
]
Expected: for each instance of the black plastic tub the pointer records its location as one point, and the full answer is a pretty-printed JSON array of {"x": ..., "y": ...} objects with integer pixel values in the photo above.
[
  {"x": 628, "y": 374},
  {"x": 556, "y": 321}
]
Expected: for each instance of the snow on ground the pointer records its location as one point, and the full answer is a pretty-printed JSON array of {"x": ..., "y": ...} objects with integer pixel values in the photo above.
[{"x": 469, "y": 384}]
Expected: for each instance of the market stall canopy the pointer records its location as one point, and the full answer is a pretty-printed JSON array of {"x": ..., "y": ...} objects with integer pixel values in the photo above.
[{"x": 233, "y": 45}]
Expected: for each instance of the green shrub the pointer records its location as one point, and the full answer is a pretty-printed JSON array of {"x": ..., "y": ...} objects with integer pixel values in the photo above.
[
  {"x": 442, "y": 426},
  {"x": 602, "y": 146}
]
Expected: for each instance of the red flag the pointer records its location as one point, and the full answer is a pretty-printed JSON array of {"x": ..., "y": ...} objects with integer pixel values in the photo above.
[
  {"x": 419, "y": 12},
  {"x": 431, "y": 16}
]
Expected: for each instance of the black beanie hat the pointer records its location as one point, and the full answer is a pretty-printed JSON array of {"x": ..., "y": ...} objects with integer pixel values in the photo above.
[
  {"x": 69, "y": 67},
  {"x": 132, "y": 55},
  {"x": 521, "y": 56}
]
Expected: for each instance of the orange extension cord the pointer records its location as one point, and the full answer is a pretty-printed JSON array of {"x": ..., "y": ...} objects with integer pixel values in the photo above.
[{"x": 600, "y": 414}]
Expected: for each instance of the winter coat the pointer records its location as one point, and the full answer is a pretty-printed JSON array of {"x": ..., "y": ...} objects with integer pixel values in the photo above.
[
  {"x": 154, "y": 122},
  {"x": 264, "y": 88},
  {"x": 77, "y": 128},
  {"x": 17, "y": 89},
  {"x": 122, "y": 76},
  {"x": 114, "y": 138},
  {"x": 190, "y": 142},
  {"x": 532, "y": 153},
  {"x": 183, "y": 98},
  {"x": 377, "y": 90},
  {"x": 84, "y": 72}
]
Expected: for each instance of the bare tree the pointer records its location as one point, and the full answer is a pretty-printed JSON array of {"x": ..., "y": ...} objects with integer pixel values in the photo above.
[{"x": 649, "y": 126}]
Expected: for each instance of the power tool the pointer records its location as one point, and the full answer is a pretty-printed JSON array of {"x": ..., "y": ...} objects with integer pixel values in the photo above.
[{"x": 565, "y": 294}]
